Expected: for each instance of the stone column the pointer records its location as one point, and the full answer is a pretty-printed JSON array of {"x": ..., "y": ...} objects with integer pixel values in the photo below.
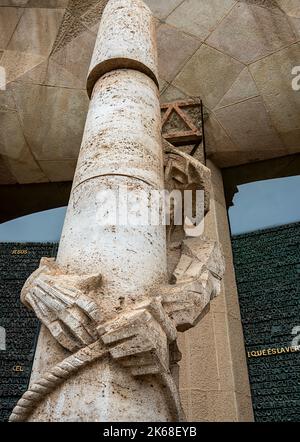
[
  {"x": 109, "y": 315},
  {"x": 121, "y": 147}
]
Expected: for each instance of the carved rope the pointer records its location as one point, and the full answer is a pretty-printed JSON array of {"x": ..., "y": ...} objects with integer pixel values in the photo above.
[
  {"x": 55, "y": 377},
  {"x": 139, "y": 337}
]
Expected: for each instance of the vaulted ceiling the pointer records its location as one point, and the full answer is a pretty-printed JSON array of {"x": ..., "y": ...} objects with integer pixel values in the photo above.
[{"x": 237, "y": 55}]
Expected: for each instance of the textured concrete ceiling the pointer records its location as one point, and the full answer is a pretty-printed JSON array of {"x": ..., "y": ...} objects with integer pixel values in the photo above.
[{"x": 237, "y": 55}]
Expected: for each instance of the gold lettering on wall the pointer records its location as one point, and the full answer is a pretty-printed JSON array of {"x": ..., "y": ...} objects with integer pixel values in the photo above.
[
  {"x": 19, "y": 252},
  {"x": 272, "y": 351}
]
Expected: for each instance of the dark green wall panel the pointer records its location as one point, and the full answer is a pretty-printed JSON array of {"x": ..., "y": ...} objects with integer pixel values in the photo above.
[
  {"x": 267, "y": 265},
  {"x": 20, "y": 324}
]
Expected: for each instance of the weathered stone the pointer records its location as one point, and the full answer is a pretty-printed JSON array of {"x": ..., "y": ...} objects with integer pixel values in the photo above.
[
  {"x": 191, "y": 21},
  {"x": 79, "y": 7},
  {"x": 257, "y": 122},
  {"x": 49, "y": 4},
  {"x": 221, "y": 406},
  {"x": 92, "y": 17},
  {"x": 13, "y": 2},
  {"x": 242, "y": 89},
  {"x": 295, "y": 22},
  {"x": 137, "y": 50},
  {"x": 219, "y": 146},
  {"x": 121, "y": 286},
  {"x": 196, "y": 282},
  {"x": 161, "y": 9},
  {"x": 199, "y": 17},
  {"x": 26, "y": 168},
  {"x": 130, "y": 99},
  {"x": 174, "y": 49},
  {"x": 118, "y": 321},
  {"x": 9, "y": 18},
  {"x": 58, "y": 171},
  {"x": 210, "y": 83},
  {"x": 261, "y": 32},
  {"x": 36, "y": 31},
  {"x": 171, "y": 93},
  {"x": 290, "y": 7},
  {"x": 283, "y": 103},
  {"x": 70, "y": 28},
  {"x": 63, "y": 67},
  {"x": 6, "y": 176},
  {"x": 184, "y": 172},
  {"x": 46, "y": 110},
  {"x": 272, "y": 4},
  {"x": 291, "y": 140},
  {"x": 19, "y": 65},
  {"x": 14, "y": 148}
]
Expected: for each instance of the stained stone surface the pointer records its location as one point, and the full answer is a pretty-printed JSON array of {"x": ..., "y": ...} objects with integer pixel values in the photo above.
[
  {"x": 121, "y": 147},
  {"x": 244, "y": 78},
  {"x": 260, "y": 31},
  {"x": 50, "y": 45},
  {"x": 242, "y": 89},
  {"x": 199, "y": 17},
  {"x": 278, "y": 94},
  {"x": 170, "y": 41},
  {"x": 137, "y": 50},
  {"x": 161, "y": 9},
  {"x": 253, "y": 119},
  {"x": 43, "y": 23},
  {"x": 45, "y": 110},
  {"x": 273, "y": 4},
  {"x": 210, "y": 83},
  {"x": 9, "y": 19}
]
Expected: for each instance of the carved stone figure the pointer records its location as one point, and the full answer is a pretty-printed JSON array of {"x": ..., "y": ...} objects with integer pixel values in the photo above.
[
  {"x": 110, "y": 313},
  {"x": 63, "y": 305}
]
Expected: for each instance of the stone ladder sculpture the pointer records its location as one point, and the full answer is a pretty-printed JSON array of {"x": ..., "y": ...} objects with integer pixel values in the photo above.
[{"x": 109, "y": 311}]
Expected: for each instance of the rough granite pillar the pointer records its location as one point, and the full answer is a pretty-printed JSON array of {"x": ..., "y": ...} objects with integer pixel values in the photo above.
[{"x": 109, "y": 314}]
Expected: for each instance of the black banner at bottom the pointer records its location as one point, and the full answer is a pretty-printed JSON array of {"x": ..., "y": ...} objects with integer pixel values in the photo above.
[{"x": 140, "y": 431}]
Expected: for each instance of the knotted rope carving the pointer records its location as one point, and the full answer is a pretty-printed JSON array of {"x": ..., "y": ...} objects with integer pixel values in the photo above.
[
  {"x": 55, "y": 377},
  {"x": 148, "y": 326}
]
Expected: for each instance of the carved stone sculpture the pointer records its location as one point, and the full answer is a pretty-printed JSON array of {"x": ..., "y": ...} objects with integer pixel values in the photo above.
[
  {"x": 63, "y": 305},
  {"x": 196, "y": 279},
  {"x": 138, "y": 338},
  {"x": 110, "y": 315}
]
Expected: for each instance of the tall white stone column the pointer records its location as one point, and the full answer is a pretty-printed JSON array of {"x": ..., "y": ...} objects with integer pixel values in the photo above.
[
  {"x": 108, "y": 312},
  {"x": 121, "y": 147}
]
